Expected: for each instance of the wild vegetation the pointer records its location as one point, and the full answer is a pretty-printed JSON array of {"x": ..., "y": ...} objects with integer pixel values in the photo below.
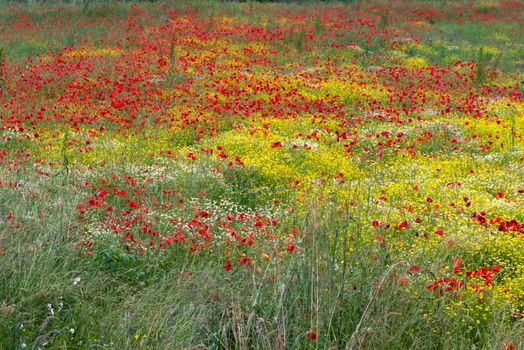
[{"x": 224, "y": 175}]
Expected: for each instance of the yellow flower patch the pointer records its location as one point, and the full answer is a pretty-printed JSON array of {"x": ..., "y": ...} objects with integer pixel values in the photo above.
[{"x": 93, "y": 52}]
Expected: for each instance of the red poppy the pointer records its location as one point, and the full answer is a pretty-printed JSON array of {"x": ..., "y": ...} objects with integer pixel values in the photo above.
[
  {"x": 495, "y": 268},
  {"x": 404, "y": 224},
  {"x": 245, "y": 261},
  {"x": 227, "y": 266},
  {"x": 290, "y": 246},
  {"x": 312, "y": 335},
  {"x": 508, "y": 346},
  {"x": 456, "y": 267},
  {"x": 415, "y": 269},
  {"x": 403, "y": 280}
]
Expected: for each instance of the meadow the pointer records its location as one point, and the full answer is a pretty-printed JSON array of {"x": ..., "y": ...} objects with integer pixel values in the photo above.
[{"x": 247, "y": 175}]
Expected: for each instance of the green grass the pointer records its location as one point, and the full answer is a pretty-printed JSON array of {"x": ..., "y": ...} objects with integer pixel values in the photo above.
[
  {"x": 115, "y": 299},
  {"x": 352, "y": 280}
]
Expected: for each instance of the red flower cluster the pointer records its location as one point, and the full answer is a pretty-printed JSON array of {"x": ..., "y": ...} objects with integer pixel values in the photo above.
[
  {"x": 485, "y": 273},
  {"x": 448, "y": 284},
  {"x": 503, "y": 225}
]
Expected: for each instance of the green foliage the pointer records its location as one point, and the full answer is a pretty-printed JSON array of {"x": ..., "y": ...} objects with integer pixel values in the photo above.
[
  {"x": 351, "y": 281},
  {"x": 2, "y": 74},
  {"x": 480, "y": 71}
]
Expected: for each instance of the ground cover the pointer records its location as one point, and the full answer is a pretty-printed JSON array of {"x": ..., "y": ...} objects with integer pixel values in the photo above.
[{"x": 262, "y": 175}]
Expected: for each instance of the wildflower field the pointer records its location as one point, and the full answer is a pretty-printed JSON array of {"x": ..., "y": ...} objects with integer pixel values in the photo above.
[{"x": 245, "y": 175}]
